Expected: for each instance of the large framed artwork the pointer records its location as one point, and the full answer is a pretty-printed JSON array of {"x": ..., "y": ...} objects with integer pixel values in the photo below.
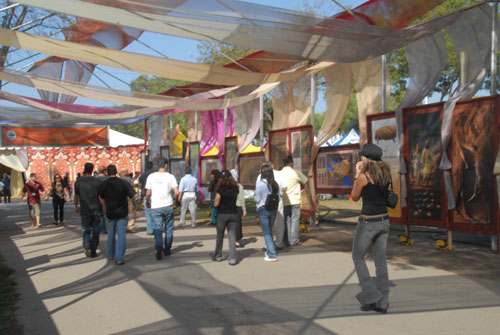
[
  {"x": 472, "y": 151},
  {"x": 426, "y": 194},
  {"x": 336, "y": 168},
  {"x": 297, "y": 142},
  {"x": 194, "y": 153},
  {"x": 165, "y": 152},
  {"x": 249, "y": 169},
  {"x": 381, "y": 130},
  {"x": 278, "y": 148},
  {"x": 208, "y": 164},
  {"x": 177, "y": 168},
  {"x": 230, "y": 153}
]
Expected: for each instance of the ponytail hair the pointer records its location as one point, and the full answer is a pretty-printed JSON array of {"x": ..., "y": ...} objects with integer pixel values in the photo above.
[{"x": 268, "y": 175}]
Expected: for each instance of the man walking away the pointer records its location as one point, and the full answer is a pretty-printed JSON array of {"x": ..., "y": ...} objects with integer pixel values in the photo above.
[
  {"x": 159, "y": 188},
  {"x": 113, "y": 195},
  {"x": 6, "y": 187},
  {"x": 291, "y": 199},
  {"x": 88, "y": 205},
  {"x": 187, "y": 197},
  {"x": 31, "y": 193},
  {"x": 142, "y": 185}
]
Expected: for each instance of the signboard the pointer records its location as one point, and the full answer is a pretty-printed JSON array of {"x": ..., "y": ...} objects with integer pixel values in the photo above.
[{"x": 48, "y": 136}]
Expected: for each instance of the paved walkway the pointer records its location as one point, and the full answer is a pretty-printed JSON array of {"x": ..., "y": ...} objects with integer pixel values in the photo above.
[{"x": 310, "y": 290}]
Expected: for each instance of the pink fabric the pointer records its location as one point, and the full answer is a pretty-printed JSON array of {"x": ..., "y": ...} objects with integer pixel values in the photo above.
[{"x": 213, "y": 133}]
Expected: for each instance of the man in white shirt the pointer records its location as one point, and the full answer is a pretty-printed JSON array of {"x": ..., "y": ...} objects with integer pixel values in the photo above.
[
  {"x": 159, "y": 188},
  {"x": 187, "y": 197},
  {"x": 291, "y": 199},
  {"x": 281, "y": 236}
]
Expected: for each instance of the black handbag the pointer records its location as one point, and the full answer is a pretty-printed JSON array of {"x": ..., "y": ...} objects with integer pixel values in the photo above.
[{"x": 392, "y": 198}]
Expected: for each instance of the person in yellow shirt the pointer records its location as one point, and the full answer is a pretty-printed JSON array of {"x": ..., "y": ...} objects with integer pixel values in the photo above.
[{"x": 293, "y": 180}]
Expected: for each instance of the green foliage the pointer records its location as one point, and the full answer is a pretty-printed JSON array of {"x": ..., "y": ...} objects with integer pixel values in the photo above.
[
  {"x": 351, "y": 117},
  {"x": 213, "y": 53},
  {"x": 153, "y": 85}
]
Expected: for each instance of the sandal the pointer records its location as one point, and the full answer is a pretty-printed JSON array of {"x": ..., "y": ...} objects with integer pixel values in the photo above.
[{"x": 54, "y": 223}]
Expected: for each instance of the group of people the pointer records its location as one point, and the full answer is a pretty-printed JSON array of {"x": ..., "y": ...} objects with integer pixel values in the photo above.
[
  {"x": 5, "y": 188},
  {"x": 277, "y": 198}
]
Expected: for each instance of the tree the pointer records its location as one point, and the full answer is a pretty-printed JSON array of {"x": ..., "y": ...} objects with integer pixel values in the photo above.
[
  {"x": 220, "y": 53},
  {"x": 152, "y": 85},
  {"x": 28, "y": 19}
]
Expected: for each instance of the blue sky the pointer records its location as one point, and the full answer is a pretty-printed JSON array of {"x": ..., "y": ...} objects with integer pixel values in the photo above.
[{"x": 175, "y": 48}]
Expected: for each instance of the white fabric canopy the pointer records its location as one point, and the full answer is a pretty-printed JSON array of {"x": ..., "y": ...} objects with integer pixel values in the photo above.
[
  {"x": 252, "y": 26},
  {"x": 117, "y": 139},
  {"x": 9, "y": 158},
  {"x": 156, "y": 66}
]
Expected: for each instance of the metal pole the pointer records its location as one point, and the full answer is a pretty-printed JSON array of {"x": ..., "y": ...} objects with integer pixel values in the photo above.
[
  {"x": 494, "y": 49},
  {"x": 225, "y": 133},
  {"x": 196, "y": 126},
  {"x": 384, "y": 83},
  {"x": 313, "y": 100},
  {"x": 261, "y": 113},
  {"x": 171, "y": 145}
]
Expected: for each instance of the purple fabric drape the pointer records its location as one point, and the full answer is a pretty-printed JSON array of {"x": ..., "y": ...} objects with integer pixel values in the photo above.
[{"x": 213, "y": 133}]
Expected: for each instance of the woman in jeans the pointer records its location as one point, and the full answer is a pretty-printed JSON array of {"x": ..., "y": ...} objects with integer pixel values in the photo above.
[
  {"x": 371, "y": 183},
  {"x": 59, "y": 194},
  {"x": 227, "y": 216},
  {"x": 267, "y": 185}
]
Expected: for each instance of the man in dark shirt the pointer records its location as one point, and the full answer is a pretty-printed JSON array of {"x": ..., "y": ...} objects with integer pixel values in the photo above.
[
  {"x": 142, "y": 184},
  {"x": 113, "y": 195},
  {"x": 86, "y": 188}
]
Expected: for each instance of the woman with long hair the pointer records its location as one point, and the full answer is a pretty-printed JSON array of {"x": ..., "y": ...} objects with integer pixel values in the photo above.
[
  {"x": 267, "y": 213},
  {"x": 227, "y": 216},
  {"x": 215, "y": 175},
  {"x": 372, "y": 184},
  {"x": 60, "y": 195}
]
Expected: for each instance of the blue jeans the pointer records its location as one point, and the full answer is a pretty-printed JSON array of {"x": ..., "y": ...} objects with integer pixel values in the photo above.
[
  {"x": 149, "y": 218},
  {"x": 374, "y": 234},
  {"x": 120, "y": 227},
  {"x": 163, "y": 220},
  {"x": 266, "y": 219},
  {"x": 90, "y": 230}
]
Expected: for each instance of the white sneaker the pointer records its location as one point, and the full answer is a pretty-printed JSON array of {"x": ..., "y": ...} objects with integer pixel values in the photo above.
[{"x": 268, "y": 259}]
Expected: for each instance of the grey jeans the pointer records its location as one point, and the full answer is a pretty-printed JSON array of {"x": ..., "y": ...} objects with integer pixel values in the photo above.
[
  {"x": 231, "y": 222},
  {"x": 374, "y": 234},
  {"x": 292, "y": 221}
]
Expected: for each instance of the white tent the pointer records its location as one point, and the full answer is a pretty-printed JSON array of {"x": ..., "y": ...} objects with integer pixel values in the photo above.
[
  {"x": 352, "y": 137},
  {"x": 117, "y": 139}
]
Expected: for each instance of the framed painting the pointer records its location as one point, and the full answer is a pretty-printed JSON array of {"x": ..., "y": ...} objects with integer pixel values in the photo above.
[
  {"x": 165, "y": 152},
  {"x": 472, "y": 151},
  {"x": 194, "y": 153},
  {"x": 295, "y": 142},
  {"x": 230, "y": 153},
  {"x": 249, "y": 169},
  {"x": 208, "y": 164},
  {"x": 426, "y": 195},
  {"x": 381, "y": 130},
  {"x": 336, "y": 168},
  {"x": 177, "y": 168}
]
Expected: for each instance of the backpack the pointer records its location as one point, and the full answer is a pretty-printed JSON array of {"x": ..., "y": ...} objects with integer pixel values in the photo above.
[{"x": 272, "y": 201}]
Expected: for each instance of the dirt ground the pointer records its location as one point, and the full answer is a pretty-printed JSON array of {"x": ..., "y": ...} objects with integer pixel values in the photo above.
[{"x": 471, "y": 254}]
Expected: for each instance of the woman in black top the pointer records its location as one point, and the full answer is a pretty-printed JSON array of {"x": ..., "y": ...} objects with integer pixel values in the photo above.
[
  {"x": 371, "y": 183},
  {"x": 59, "y": 195},
  {"x": 227, "y": 216},
  {"x": 215, "y": 175}
]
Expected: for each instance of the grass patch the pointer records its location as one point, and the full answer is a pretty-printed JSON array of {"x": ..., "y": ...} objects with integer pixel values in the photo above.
[{"x": 8, "y": 297}]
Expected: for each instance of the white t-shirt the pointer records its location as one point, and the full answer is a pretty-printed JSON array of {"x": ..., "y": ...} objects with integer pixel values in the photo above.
[{"x": 161, "y": 185}]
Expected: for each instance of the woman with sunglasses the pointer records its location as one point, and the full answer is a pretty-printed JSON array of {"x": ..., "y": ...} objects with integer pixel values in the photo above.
[{"x": 60, "y": 195}]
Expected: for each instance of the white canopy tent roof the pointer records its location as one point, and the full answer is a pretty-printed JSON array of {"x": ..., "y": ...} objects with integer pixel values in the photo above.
[{"x": 117, "y": 139}]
